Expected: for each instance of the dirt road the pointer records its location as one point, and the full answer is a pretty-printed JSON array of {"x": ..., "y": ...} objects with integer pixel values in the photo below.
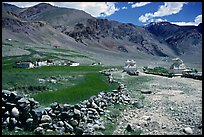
[{"x": 173, "y": 108}]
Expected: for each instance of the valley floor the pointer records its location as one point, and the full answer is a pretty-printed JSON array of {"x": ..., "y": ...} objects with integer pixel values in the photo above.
[{"x": 173, "y": 108}]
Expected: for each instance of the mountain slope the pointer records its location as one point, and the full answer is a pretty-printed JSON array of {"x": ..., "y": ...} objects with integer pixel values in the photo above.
[
  {"x": 182, "y": 39},
  {"x": 97, "y": 32},
  {"x": 12, "y": 8},
  {"x": 49, "y": 26}
]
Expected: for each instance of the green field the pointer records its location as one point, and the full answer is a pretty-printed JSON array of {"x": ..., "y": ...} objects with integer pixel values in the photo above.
[{"x": 73, "y": 84}]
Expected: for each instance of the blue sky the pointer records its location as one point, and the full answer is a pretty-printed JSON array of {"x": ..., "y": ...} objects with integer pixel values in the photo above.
[{"x": 138, "y": 13}]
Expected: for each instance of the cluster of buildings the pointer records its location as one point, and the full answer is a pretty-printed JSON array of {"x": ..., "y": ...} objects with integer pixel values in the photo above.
[
  {"x": 178, "y": 68},
  {"x": 39, "y": 63}
]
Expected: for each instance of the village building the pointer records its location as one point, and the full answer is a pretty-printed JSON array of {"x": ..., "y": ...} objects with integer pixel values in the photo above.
[
  {"x": 41, "y": 63},
  {"x": 130, "y": 67},
  {"x": 178, "y": 67},
  {"x": 74, "y": 64},
  {"x": 25, "y": 65}
]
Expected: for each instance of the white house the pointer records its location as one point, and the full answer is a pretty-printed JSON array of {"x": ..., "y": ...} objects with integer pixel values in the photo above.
[
  {"x": 130, "y": 67},
  {"x": 24, "y": 65},
  {"x": 178, "y": 67},
  {"x": 74, "y": 64},
  {"x": 41, "y": 63}
]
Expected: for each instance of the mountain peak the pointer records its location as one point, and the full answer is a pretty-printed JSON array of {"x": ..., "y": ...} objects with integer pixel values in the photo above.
[
  {"x": 30, "y": 12},
  {"x": 43, "y": 5}
]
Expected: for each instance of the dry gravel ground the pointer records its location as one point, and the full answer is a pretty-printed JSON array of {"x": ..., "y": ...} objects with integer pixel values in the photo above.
[{"x": 174, "y": 104}]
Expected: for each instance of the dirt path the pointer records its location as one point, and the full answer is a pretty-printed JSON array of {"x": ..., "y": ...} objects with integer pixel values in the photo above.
[{"x": 174, "y": 104}]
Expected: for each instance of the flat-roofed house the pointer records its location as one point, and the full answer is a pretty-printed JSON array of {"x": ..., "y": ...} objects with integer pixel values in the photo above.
[{"x": 24, "y": 65}]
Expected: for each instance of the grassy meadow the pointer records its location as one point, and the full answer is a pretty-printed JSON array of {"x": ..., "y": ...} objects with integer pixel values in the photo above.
[{"x": 73, "y": 84}]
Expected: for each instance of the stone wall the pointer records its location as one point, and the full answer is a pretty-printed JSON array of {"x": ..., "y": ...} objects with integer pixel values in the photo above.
[{"x": 20, "y": 113}]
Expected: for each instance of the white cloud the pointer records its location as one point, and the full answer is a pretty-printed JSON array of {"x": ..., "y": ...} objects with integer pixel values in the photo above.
[
  {"x": 167, "y": 9},
  {"x": 96, "y": 9},
  {"x": 158, "y": 20},
  {"x": 140, "y": 4},
  {"x": 198, "y": 19},
  {"x": 130, "y": 2},
  {"x": 124, "y": 8},
  {"x": 184, "y": 23},
  {"x": 196, "y": 22}
]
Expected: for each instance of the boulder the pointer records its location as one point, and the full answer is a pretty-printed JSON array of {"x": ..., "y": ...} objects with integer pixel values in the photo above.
[
  {"x": 73, "y": 122},
  {"x": 137, "y": 104},
  {"x": 61, "y": 130},
  {"x": 15, "y": 112},
  {"x": 39, "y": 130},
  {"x": 188, "y": 130},
  {"x": 76, "y": 111},
  {"x": 60, "y": 123},
  {"x": 46, "y": 119},
  {"x": 66, "y": 107},
  {"x": 93, "y": 104},
  {"x": 146, "y": 91},
  {"x": 54, "y": 105},
  {"x": 68, "y": 127},
  {"x": 79, "y": 131},
  {"x": 9, "y": 106},
  {"x": 64, "y": 115},
  {"x": 33, "y": 103},
  {"x": 29, "y": 121},
  {"x": 37, "y": 113},
  {"x": 101, "y": 127},
  {"x": 11, "y": 123},
  {"x": 129, "y": 128},
  {"x": 23, "y": 100},
  {"x": 12, "y": 97}
]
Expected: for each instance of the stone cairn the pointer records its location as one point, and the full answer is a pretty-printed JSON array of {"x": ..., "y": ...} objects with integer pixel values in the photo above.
[{"x": 20, "y": 113}]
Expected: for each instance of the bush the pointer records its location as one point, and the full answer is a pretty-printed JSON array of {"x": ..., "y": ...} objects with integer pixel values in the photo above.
[{"x": 157, "y": 70}]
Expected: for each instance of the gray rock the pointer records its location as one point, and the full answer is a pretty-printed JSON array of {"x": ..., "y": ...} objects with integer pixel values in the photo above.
[
  {"x": 93, "y": 104},
  {"x": 12, "y": 97},
  {"x": 137, "y": 104},
  {"x": 68, "y": 127},
  {"x": 9, "y": 105},
  {"x": 37, "y": 113},
  {"x": 6, "y": 114},
  {"x": 66, "y": 107},
  {"x": 29, "y": 121},
  {"x": 11, "y": 123},
  {"x": 61, "y": 130},
  {"x": 6, "y": 92},
  {"x": 101, "y": 127},
  {"x": 15, "y": 112},
  {"x": 48, "y": 109},
  {"x": 45, "y": 125},
  {"x": 23, "y": 100},
  {"x": 188, "y": 130},
  {"x": 74, "y": 122},
  {"x": 96, "y": 126},
  {"x": 129, "y": 128},
  {"x": 76, "y": 111},
  {"x": 60, "y": 123},
  {"x": 79, "y": 131},
  {"x": 146, "y": 91},
  {"x": 18, "y": 129},
  {"x": 46, "y": 119},
  {"x": 54, "y": 105},
  {"x": 33, "y": 103},
  {"x": 39, "y": 130}
]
